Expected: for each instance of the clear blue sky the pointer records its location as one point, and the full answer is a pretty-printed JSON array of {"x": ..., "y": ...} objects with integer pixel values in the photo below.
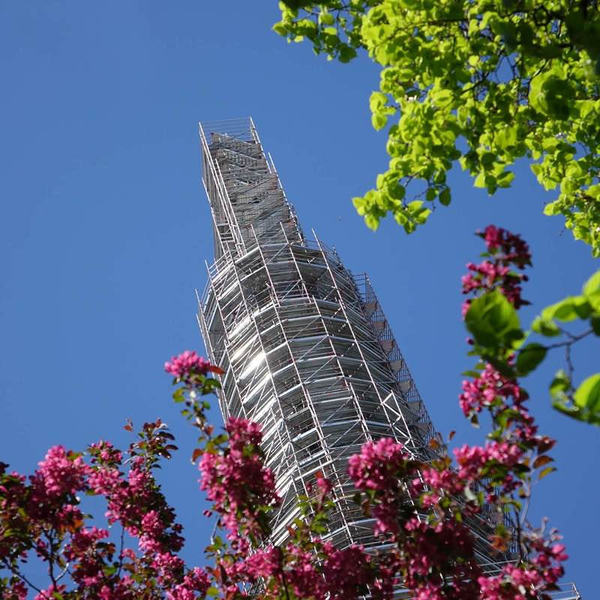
[{"x": 105, "y": 229}]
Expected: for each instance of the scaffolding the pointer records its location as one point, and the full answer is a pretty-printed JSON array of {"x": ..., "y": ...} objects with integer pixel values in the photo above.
[{"x": 305, "y": 345}]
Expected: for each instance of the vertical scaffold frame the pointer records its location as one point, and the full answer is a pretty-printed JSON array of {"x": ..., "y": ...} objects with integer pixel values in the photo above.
[{"x": 307, "y": 350}]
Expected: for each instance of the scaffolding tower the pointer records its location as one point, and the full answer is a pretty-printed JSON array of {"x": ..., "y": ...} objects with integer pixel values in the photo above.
[{"x": 307, "y": 350}]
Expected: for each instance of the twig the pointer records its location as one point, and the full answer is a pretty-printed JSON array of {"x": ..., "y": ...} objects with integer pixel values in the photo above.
[{"x": 22, "y": 577}]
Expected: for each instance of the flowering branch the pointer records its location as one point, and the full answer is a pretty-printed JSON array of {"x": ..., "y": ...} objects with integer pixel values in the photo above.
[{"x": 425, "y": 513}]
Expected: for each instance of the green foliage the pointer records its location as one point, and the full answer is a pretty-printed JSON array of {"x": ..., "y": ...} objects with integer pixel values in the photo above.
[
  {"x": 498, "y": 339},
  {"x": 582, "y": 403},
  {"x": 585, "y": 307},
  {"x": 478, "y": 82},
  {"x": 530, "y": 357},
  {"x": 493, "y": 321},
  {"x": 587, "y": 397}
]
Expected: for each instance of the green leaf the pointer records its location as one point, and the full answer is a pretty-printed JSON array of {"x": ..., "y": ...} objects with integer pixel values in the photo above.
[
  {"x": 587, "y": 395},
  {"x": 471, "y": 373},
  {"x": 396, "y": 191},
  {"x": 377, "y": 101},
  {"x": 442, "y": 97},
  {"x": 502, "y": 366},
  {"x": 493, "y": 321},
  {"x": 592, "y": 285},
  {"x": 591, "y": 290},
  {"x": 582, "y": 307},
  {"x": 372, "y": 222},
  {"x": 552, "y": 208},
  {"x": 505, "y": 179},
  {"x": 506, "y": 137},
  {"x": 294, "y": 4},
  {"x": 444, "y": 197},
  {"x": 530, "y": 357},
  {"x": 585, "y": 108},
  {"x": 560, "y": 384},
  {"x": 544, "y": 327},
  {"x": 561, "y": 311},
  {"x": 326, "y": 18},
  {"x": 480, "y": 180},
  {"x": 378, "y": 120},
  {"x": 545, "y": 472},
  {"x": 280, "y": 29},
  {"x": 347, "y": 53},
  {"x": 179, "y": 395}
]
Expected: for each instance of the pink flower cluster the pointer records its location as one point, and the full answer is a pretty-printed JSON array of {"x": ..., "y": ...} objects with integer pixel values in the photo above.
[
  {"x": 60, "y": 473},
  {"x": 434, "y": 483},
  {"x": 505, "y": 249},
  {"x": 261, "y": 564},
  {"x": 511, "y": 247},
  {"x": 431, "y": 552},
  {"x": 380, "y": 467},
  {"x": 487, "y": 390},
  {"x": 136, "y": 503},
  {"x": 434, "y": 552},
  {"x": 422, "y": 509},
  {"x": 45, "y": 516},
  {"x": 194, "y": 585},
  {"x": 187, "y": 364},
  {"x": 503, "y": 398},
  {"x": 515, "y": 583},
  {"x": 85, "y": 553},
  {"x": 324, "y": 486},
  {"x": 340, "y": 575},
  {"x": 428, "y": 552},
  {"x": 16, "y": 590},
  {"x": 488, "y": 275},
  {"x": 237, "y": 482},
  {"x": 494, "y": 461},
  {"x": 53, "y": 591},
  {"x": 346, "y": 572}
]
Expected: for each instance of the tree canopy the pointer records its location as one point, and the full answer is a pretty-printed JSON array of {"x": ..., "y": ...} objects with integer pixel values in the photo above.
[{"x": 478, "y": 82}]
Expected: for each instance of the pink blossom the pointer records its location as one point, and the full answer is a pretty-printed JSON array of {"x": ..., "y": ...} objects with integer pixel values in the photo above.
[
  {"x": 15, "y": 591},
  {"x": 512, "y": 246},
  {"x": 505, "y": 250},
  {"x": 83, "y": 540},
  {"x": 60, "y": 473},
  {"x": 380, "y": 466},
  {"x": 347, "y": 572},
  {"x": 187, "y": 363},
  {"x": 324, "y": 485},
  {"x": 236, "y": 481},
  {"x": 195, "y": 583},
  {"x": 262, "y": 563},
  {"x": 49, "y": 592},
  {"x": 489, "y": 275},
  {"x": 486, "y": 390},
  {"x": 494, "y": 461},
  {"x": 151, "y": 524},
  {"x": 301, "y": 574},
  {"x": 377, "y": 465}
]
